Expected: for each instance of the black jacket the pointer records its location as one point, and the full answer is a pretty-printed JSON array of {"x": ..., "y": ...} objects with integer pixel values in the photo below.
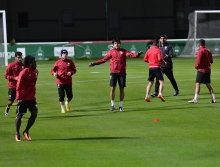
[{"x": 167, "y": 49}]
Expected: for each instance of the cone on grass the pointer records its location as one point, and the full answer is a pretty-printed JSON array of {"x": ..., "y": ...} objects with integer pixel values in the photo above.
[{"x": 156, "y": 120}]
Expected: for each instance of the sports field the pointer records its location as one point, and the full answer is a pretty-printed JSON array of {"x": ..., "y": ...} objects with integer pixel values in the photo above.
[{"x": 187, "y": 135}]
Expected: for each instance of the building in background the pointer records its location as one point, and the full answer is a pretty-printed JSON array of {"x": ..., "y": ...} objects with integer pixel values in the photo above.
[{"x": 83, "y": 20}]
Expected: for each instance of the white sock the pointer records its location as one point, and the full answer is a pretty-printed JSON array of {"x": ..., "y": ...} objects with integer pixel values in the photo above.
[
  {"x": 113, "y": 102},
  {"x": 121, "y": 103},
  {"x": 160, "y": 93},
  {"x": 213, "y": 96},
  {"x": 66, "y": 102},
  {"x": 147, "y": 95},
  {"x": 62, "y": 107},
  {"x": 196, "y": 96}
]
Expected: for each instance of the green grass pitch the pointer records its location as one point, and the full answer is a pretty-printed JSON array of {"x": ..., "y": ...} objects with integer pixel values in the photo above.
[{"x": 188, "y": 135}]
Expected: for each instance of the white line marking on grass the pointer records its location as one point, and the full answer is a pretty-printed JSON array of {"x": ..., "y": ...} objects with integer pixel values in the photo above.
[{"x": 95, "y": 72}]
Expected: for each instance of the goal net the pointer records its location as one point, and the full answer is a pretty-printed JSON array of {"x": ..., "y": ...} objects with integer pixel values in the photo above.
[
  {"x": 204, "y": 24},
  {"x": 3, "y": 39}
]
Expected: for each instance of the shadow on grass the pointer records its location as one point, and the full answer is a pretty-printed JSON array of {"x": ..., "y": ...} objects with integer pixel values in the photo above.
[
  {"x": 64, "y": 116},
  {"x": 95, "y": 138}
]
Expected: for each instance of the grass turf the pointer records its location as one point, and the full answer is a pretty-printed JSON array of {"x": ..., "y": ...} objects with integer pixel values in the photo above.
[{"x": 91, "y": 135}]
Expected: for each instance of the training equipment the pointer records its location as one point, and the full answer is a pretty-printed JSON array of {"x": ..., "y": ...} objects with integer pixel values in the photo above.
[
  {"x": 3, "y": 39},
  {"x": 203, "y": 24},
  {"x": 161, "y": 98},
  {"x": 156, "y": 120}
]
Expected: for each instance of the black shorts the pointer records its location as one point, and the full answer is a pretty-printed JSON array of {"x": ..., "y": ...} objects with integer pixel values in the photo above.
[
  {"x": 118, "y": 77},
  {"x": 155, "y": 72},
  {"x": 61, "y": 91},
  {"x": 203, "y": 77},
  {"x": 11, "y": 94},
  {"x": 31, "y": 105}
]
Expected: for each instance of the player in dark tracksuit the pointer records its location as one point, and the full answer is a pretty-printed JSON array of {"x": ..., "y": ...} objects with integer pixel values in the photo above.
[{"x": 167, "y": 54}]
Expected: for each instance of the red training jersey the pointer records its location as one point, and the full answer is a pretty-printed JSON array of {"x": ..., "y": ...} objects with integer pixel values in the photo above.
[
  {"x": 153, "y": 56},
  {"x": 117, "y": 59},
  {"x": 26, "y": 85},
  {"x": 62, "y": 67},
  {"x": 12, "y": 71},
  {"x": 204, "y": 60}
]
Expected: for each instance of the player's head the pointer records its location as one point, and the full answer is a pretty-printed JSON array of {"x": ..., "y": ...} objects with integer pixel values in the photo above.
[
  {"x": 64, "y": 54},
  {"x": 163, "y": 38},
  {"x": 29, "y": 61},
  {"x": 155, "y": 42},
  {"x": 201, "y": 42},
  {"x": 18, "y": 57},
  {"x": 116, "y": 43}
]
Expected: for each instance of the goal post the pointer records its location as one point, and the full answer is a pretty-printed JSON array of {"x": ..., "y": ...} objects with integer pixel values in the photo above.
[
  {"x": 3, "y": 39},
  {"x": 203, "y": 24}
]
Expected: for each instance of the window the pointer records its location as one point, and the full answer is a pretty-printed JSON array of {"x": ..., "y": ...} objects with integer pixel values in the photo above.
[
  {"x": 68, "y": 19},
  {"x": 114, "y": 19},
  {"x": 199, "y": 3},
  {"x": 22, "y": 20}
]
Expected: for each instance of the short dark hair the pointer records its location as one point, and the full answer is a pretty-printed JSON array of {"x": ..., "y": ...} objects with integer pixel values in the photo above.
[
  {"x": 18, "y": 54},
  {"x": 116, "y": 40},
  {"x": 164, "y": 36},
  {"x": 27, "y": 60},
  {"x": 155, "y": 42},
  {"x": 202, "y": 42}
]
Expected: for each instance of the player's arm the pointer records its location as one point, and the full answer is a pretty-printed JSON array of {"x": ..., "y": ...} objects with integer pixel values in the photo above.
[
  {"x": 20, "y": 85},
  {"x": 54, "y": 70},
  {"x": 133, "y": 55},
  {"x": 103, "y": 60},
  {"x": 9, "y": 74},
  {"x": 146, "y": 57},
  {"x": 198, "y": 60},
  {"x": 72, "y": 70},
  {"x": 169, "y": 52}
]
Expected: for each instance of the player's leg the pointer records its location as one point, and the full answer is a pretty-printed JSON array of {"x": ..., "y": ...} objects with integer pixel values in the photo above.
[
  {"x": 150, "y": 84},
  {"x": 122, "y": 85},
  {"x": 209, "y": 86},
  {"x": 156, "y": 90},
  {"x": 69, "y": 94},
  {"x": 11, "y": 98},
  {"x": 169, "y": 73},
  {"x": 113, "y": 81},
  {"x": 21, "y": 110},
  {"x": 33, "y": 108},
  {"x": 61, "y": 93},
  {"x": 159, "y": 76},
  {"x": 199, "y": 80}
]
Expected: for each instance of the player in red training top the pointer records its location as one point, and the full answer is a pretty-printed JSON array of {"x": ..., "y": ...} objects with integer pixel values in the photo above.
[
  {"x": 11, "y": 74},
  {"x": 117, "y": 57},
  {"x": 26, "y": 96},
  {"x": 203, "y": 66},
  {"x": 153, "y": 56},
  {"x": 63, "y": 70}
]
